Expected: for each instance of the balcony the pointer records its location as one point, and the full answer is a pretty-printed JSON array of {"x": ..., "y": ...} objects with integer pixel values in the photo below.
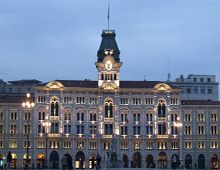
[
  {"x": 162, "y": 136},
  {"x": 107, "y": 136},
  {"x": 54, "y": 117},
  {"x": 108, "y": 119},
  {"x": 54, "y": 135}
]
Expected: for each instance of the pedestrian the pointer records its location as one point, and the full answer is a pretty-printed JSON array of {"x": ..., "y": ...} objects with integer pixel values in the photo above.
[
  {"x": 98, "y": 160},
  {"x": 9, "y": 159},
  {"x": 195, "y": 165},
  {"x": 81, "y": 163},
  {"x": 64, "y": 162},
  {"x": 174, "y": 162}
]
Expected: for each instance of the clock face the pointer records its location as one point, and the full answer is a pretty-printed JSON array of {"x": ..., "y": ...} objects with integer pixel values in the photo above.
[{"x": 108, "y": 65}]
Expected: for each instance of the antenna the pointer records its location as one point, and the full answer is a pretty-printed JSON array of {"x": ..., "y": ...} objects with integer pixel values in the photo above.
[
  {"x": 168, "y": 71},
  {"x": 108, "y": 15}
]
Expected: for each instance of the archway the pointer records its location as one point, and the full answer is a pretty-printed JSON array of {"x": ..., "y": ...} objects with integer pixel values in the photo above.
[
  {"x": 188, "y": 161},
  {"x": 150, "y": 161},
  {"x": 201, "y": 161},
  {"x": 14, "y": 161},
  {"x": 25, "y": 160},
  {"x": 54, "y": 158},
  {"x": 125, "y": 161},
  {"x": 92, "y": 161},
  {"x": 80, "y": 158},
  {"x": 69, "y": 160},
  {"x": 41, "y": 161},
  {"x": 162, "y": 160},
  {"x": 136, "y": 160},
  {"x": 214, "y": 161}
]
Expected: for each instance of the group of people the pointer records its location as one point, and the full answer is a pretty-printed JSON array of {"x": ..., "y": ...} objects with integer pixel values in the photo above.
[{"x": 64, "y": 162}]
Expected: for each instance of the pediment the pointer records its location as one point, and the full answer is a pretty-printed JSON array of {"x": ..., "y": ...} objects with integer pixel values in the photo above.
[
  {"x": 54, "y": 85},
  {"x": 162, "y": 87}
]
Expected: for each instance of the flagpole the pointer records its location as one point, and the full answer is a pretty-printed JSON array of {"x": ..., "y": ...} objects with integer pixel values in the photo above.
[{"x": 108, "y": 15}]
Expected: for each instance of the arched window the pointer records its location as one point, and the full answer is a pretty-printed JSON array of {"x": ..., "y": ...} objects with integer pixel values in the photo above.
[
  {"x": 54, "y": 107},
  {"x": 108, "y": 109},
  {"x": 161, "y": 108}
]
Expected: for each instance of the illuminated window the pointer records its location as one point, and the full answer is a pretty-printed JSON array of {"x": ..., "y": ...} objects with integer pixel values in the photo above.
[
  {"x": 92, "y": 116},
  {"x": 201, "y": 144},
  {"x": 13, "y": 144},
  {"x": 1, "y": 128},
  {"x": 13, "y": 128},
  {"x": 1, "y": 144},
  {"x": 187, "y": 130},
  {"x": 200, "y": 129},
  {"x": 93, "y": 100},
  {"x": 187, "y": 117},
  {"x": 41, "y": 144},
  {"x": 67, "y": 99},
  {"x": 67, "y": 116},
  {"x": 13, "y": 116},
  {"x": 124, "y": 130},
  {"x": 92, "y": 145},
  {"x": 108, "y": 109},
  {"x": 27, "y": 116},
  {"x": 41, "y": 129},
  {"x": 173, "y": 117},
  {"x": 149, "y": 145},
  {"x": 54, "y": 107},
  {"x": 107, "y": 145},
  {"x": 137, "y": 101},
  {"x": 149, "y": 101},
  {"x": 27, "y": 129},
  {"x": 161, "y": 108},
  {"x": 162, "y": 145},
  {"x": 200, "y": 117},
  {"x": 214, "y": 117},
  {"x": 174, "y": 145},
  {"x": 92, "y": 130},
  {"x": 25, "y": 144},
  {"x": 214, "y": 144},
  {"x": 41, "y": 99},
  {"x": 41, "y": 115},
  {"x": 124, "y": 145},
  {"x": 137, "y": 145},
  {"x": 188, "y": 145},
  {"x": 54, "y": 144},
  {"x": 1, "y": 116},
  {"x": 214, "y": 130},
  {"x": 174, "y": 101},
  {"x": 80, "y": 100},
  {"x": 67, "y": 144},
  {"x": 124, "y": 101}
]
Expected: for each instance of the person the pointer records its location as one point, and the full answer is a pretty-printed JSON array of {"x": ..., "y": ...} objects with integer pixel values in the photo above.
[
  {"x": 9, "y": 159},
  {"x": 98, "y": 160},
  {"x": 5, "y": 166},
  {"x": 174, "y": 162},
  {"x": 195, "y": 165},
  {"x": 93, "y": 162},
  {"x": 81, "y": 163},
  {"x": 64, "y": 162}
]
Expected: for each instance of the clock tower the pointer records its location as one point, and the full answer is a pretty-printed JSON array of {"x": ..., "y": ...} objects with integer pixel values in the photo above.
[{"x": 108, "y": 62}]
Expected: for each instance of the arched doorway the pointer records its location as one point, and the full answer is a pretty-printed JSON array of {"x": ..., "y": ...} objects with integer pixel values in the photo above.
[
  {"x": 201, "y": 161},
  {"x": 150, "y": 161},
  {"x": 137, "y": 160},
  {"x": 69, "y": 160},
  {"x": 80, "y": 158},
  {"x": 214, "y": 161},
  {"x": 92, "y": 161},
  {"x": 188, "y": 161},
  {"x": 54, "y": 158},
  {"x": 177, "y": 161},
  {"x": 40, "y": 161},
  {"x": 125, "y": 161},
  {"x": 162, "y": 160},
  {"x": 14, "y": 161},
  {"x": 25, "y": 160}
]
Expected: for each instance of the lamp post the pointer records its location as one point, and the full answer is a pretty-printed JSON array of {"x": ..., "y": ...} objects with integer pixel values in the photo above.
[
  {"x": 28, "y": 104},
  {"x": 46, "y": 124},
  {"x": 178, "y": 124}
]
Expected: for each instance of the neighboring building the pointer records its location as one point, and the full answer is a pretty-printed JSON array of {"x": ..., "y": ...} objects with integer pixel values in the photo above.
[
  {"x": 198, "y": 87},
  {"x": 83, "y": 116}
]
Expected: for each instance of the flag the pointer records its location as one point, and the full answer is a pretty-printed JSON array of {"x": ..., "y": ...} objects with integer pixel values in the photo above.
[
  {"x": 108, "y": 10},
  {"x": 164, "y": 126}
]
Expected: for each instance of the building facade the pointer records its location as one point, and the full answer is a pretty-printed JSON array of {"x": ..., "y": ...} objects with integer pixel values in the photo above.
[{"x": 80, "y": 119}]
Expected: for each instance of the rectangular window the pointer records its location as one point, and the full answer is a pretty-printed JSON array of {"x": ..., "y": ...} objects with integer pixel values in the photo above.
[
  {"x": 201, "y": 79},
  {"x": 80, "y": 100},
  {"x": 208, "y": 79},
  {"x": 124, "y": 118},
  {"x": 80, "y": 145},
  {"x": 213, "y": 117},
  {"x": 124, "y": 145},
  {"x": 214, "y": 130},
  {"x": 1, "y": 115},
  {"x": 41, "y": 99},
  {"x": 67, "y": 129},
  {"x": 27, "y": 129},
  {"x": 54, "y": 128},
  {"x": 173, "y": 117},
  {"x": 195, "y": 91},
  {"x": 187, "y": 117},
  {"x": 174, "y": 101},
  {"x": 80, "y": 117},
  {"x": 149, "y": 130},
  {"x": 149, "y": 117},
  {"x": 107, "y": 145},
  {"x": 1, "y": 144},
  {"x": 188, "y": 90},
  {"x": 1, "y": 128},
  {"x": 137, "y": 145},
  {"x": 13, "y": 128},
  {"x": 201, "y": 129},
  {"x": 41, "y": 144},
  {"x": 67, "y": 99},
  {"x": 188, "y": 130},
  {"x": 93, "y": 130},
  {"x": 137, "y": 130},
  {"x": 67, "y": 144},
  {"x": 194, "y": 79},
  {"x": 201, "y": 144},
  {"x": 202, "y": 91},
  {"x": 149, "y": 145},
  {"x": 13, "y": 144},
  {"x": 93, "y": 116},
  {"x": 92, "y": 145},
  {"x": 13, "y": 116},
  {"x": 93, "y": 100},
  {"x": 162, "y": 145},
  {"x": 25, "y": 144},
  {"x": 200, "y": 117},
  {"x": 174, "y": 145},
  {"x": 124, "y": 130},
  {"x": 108, "y": 129},
  {"x": 137, "y": 101},
  {"x": 41, "y": 115},
  {"x": 214, "y": 144},
  {"x": 80, "y": 129},
  {"x": 124, "y": 101},
  {"x": 54, "y": 144},
  {"x": 149, "y": 101},
  {"x": 188, "y": 145},
  {"x": 209, "y": 91}
]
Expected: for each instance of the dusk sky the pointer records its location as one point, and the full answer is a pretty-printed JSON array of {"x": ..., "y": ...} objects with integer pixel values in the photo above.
[{"x": 54, "y": 39}]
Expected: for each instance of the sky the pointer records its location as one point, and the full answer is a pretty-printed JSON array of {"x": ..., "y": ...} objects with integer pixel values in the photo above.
[{"x": 58, "y": 40}]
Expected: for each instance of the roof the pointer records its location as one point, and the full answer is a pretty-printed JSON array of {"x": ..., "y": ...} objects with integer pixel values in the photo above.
[
  {"x": 13, "y": 99},
  {"x": 200, "y": 102}
]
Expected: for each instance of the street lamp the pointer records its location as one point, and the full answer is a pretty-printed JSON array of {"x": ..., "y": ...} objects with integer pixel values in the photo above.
[
  {"x": 28, "y": 104},
  {"x": 178, "y": 124},
  {"x": 46, "y": 124}
]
